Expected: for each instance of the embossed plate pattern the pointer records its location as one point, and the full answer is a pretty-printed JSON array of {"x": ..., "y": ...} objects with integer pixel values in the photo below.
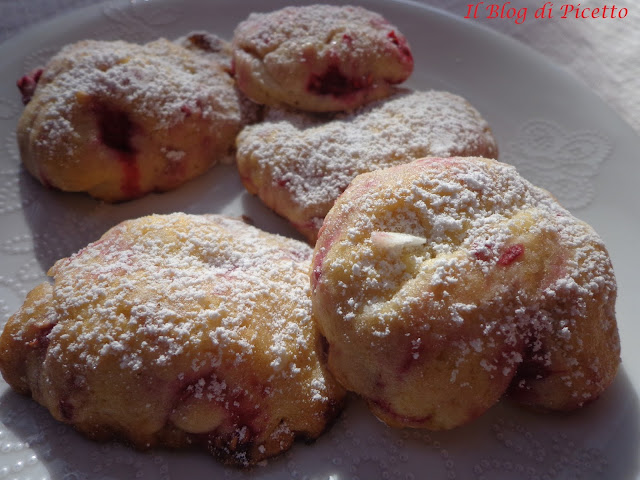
[{"x": 559, "y": 135}]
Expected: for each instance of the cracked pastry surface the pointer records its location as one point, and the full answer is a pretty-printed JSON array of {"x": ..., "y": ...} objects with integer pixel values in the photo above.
[
  {"x": 443, "y": 283},
  {"x": 319, "y": 57},
  {"x": 178, "y": 330},
  {"x": 298, "y": 164},
  {"x": 118, "y": 120}
]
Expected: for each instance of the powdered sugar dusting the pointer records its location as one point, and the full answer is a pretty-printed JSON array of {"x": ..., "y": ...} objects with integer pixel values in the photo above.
[
  {"x": 159, "y": 82},
  {"x": 205, "y": 318},
  {"x": 266, "y": 32},
  {"x": 203, "y": 287},
  {"x": 508, "y": 285},
  {"x": 118, "y": 120},
  {"x": 460, "y": 206},
  {"x": 319, "y": 57},
  {"x": 307, "y": 161}
]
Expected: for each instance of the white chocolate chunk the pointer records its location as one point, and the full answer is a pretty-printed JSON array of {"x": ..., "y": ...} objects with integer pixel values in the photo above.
[{"x": 395, "y": 240}]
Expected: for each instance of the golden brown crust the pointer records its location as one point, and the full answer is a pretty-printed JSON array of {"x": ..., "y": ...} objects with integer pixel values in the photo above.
[
  {"x": 319, "y": 58},
  {"x": 443, "y": 283},
  {"x": 176, "y": 330},
  {"x": 118, "y": 120}
]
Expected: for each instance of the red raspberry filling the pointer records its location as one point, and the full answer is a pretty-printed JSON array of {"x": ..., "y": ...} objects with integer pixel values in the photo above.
[
  {"x": 27, "y": 84},
  {"x": 115, "y": 130},
  {"x": 402, "y": 45},
  {"x": 334, "y": 82},
  {"x": 511, "y": 254}
]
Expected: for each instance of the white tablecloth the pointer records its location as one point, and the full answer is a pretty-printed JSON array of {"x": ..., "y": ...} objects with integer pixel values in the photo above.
[{"x": 602, "y": 52}]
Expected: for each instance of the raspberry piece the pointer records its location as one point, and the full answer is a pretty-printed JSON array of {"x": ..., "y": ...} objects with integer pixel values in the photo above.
[{"x": 27, "y": 84}]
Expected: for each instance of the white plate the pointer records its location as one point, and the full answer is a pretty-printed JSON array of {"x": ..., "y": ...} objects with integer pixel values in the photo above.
[{"x": 558, "y": 133}]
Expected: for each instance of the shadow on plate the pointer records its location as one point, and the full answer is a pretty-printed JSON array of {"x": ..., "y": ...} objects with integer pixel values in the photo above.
[
  {"x": 62, "y": 223},
  {"x": 263, "y": 217},
  {"x": 600, "y": 441}
]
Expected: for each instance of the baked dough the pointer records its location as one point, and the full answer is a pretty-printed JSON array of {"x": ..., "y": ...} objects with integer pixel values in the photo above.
[
  {"x": 118, "y": 120},
  {"x": 443, "y": 283},
  {"x": 298, "y": 164},
  {"x": 319, "y": 58},
  {"x": 178, "y": 330}
]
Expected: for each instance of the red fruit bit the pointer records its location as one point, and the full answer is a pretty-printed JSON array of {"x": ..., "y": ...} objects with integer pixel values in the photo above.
[
  {"x": 66, "y": 410},
  {"x": 325, "y": 241},
  {"x": 318, "y": 262},
  {"x": 186, "y": 110},
  {"x": 42, "y": 338},
  {"x": 317, "y": 269},
  {"x": 402, "y": 45},
  {"x": 511, "y": 254},
  {"x": 482, "y": 255},
  {"x": 130, "y": 184},
  {"x": 334, "y": 82},
  {"x": 27, "y": 84},
  {"x": 411, "y": 356},
  {"x": 44, "y": 179},
  {"x": 347, "y": 38},
  {"x": 115, "y": 130}
]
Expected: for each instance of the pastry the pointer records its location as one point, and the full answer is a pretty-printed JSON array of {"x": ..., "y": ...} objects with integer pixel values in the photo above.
[
  {"x": 298, "y": 163},
  {"x": 118, "y": 120},
  {"x": 178, "y": 330},
  {"x": 443, "y": 283},
  {"x": 319, "y": 58}
]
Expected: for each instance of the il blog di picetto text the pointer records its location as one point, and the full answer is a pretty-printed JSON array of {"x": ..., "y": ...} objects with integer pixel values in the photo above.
[{"x": 507, "y": 10}]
